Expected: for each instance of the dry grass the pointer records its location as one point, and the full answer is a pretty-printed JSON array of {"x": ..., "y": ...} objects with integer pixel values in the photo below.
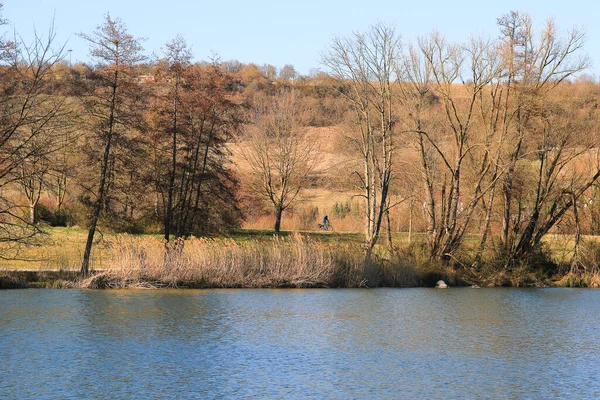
[
  {"x": 591, "y": 280},
  {"x": 258, "y": 258},
  {"x": 293, "y": 261}
]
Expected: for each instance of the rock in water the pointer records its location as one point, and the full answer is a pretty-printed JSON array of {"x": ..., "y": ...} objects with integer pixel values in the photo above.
[{"x": 441, "y": 285}]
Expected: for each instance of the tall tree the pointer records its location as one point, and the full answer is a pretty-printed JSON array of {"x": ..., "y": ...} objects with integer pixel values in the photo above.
[
  {"x": 29, "y": 114},
  {"x": 205, "y": 186},
  {"x": 112, "y": 105},
  {"x": 444, "y": 87},
  {"x": 176, "y": 59},
  {"x": 536, "y": 67},
  {"x": 366, "y": 68}
]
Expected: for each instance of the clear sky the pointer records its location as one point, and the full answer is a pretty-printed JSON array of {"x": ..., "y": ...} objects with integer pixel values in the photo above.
[{"x": 288, "y": 32}]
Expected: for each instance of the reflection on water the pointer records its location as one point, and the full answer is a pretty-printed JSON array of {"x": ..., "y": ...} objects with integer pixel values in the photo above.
[{"x": 384, "y": 343}]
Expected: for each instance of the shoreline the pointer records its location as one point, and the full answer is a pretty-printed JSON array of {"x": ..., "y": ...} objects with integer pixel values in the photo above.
[
  {"x": 293, "y": 260},
  {"x": 106, "y": 280}
]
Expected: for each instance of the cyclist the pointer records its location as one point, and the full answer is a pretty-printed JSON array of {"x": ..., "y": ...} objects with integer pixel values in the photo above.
[{"x": 325, "y": 223}]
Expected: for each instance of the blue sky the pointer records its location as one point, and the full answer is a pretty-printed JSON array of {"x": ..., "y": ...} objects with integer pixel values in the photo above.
[{"x": 284, "y": 32}]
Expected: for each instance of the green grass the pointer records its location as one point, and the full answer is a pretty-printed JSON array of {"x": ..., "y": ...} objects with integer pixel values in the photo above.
[{"x": 56, "y": 249}]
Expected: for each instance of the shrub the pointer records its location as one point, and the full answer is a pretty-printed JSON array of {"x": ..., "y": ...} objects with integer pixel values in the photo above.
[{"x": 60, "y": 217}]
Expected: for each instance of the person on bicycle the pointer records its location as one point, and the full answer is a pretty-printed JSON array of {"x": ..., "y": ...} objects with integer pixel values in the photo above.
[{"x": 325, "y": 223}]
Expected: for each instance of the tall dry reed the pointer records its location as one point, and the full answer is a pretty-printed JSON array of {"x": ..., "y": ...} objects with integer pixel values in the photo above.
[{"x": 294, "y": 261}]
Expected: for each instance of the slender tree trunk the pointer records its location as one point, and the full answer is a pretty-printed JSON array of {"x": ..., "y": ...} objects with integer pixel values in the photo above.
[
  {"x": 61, "y": 190},
  {"x": 389, "y": 231},
  {"x": 429, "y": 206},
  {"x": 97, "y": 210},
  {"x": 410, "y": 220},
  {"x": 169, "y": 213},
  {"x": 201, "y": 176},
  {"x": 103, "y": 175},
  {"x": 575, "y": 261},
  {"x": 486, "y": 229},
  {"x": 506, "y": 191},
  {"x": 507, "y": 187},
  {"x": 169, "y": 210},
  {"x": 186, "y": 198}
]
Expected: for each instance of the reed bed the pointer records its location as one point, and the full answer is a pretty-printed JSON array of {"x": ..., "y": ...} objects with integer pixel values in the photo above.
[{"x": 293, "y": 261}]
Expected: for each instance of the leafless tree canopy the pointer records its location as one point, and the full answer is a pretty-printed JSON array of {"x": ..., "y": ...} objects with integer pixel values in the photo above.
[{"x": 281, "y": 157}]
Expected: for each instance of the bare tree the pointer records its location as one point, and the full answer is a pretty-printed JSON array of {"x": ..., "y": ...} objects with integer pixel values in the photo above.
[
  {"x": 279, "y": 154},
  {"x": 443, "y": 91},
  {"x": 30, "y": 113},
  {"x": 536, "y": 66},
  {"x": 39, "y": 157},
  {"x": 111, "y": 106},
  {"x": 365, "y": 66},
  {"x": 476, "y": 110}
]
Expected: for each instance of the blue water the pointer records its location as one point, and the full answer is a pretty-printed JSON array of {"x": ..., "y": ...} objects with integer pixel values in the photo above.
[{"x": 371, "y": 343}]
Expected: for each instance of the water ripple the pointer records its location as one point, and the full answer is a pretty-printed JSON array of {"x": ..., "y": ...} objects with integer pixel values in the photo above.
[{"x": 385, "y": 343}]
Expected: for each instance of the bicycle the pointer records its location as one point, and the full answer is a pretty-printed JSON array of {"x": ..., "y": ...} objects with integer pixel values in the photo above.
[{"x": 322, "y": 227}]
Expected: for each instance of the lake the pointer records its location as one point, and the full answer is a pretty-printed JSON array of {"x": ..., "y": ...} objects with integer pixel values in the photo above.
[{"x": 323, "y": 343}]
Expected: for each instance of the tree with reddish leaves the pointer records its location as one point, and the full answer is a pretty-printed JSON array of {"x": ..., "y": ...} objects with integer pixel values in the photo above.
[
  {"x": 204, "y": 198},
  {"x": 173, "y": 66},
  {"x": 196, "y": 112}
]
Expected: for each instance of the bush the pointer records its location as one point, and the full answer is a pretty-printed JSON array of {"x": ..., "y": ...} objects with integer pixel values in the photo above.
[
  {"x": 134, "y": 226},
  {"x": 60, "y": 217}
]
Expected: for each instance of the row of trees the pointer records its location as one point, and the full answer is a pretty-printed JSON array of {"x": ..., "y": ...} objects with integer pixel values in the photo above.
[
  {"x": 484, "y": 126},
  {"x": 33, "y": 127},
  {"x": 495, "y": 140},
  {"x": 133, "y": 142},
  {"x": 179, "y": 124}
]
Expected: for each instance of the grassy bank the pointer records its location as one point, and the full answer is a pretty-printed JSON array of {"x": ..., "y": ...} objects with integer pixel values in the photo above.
[
  {"x": 56, "y": 249},
  {"x": 39, "y": 279},
  {"x": 290, "y": 261},
  {"x": 255, "y": 258},
  {"x": 243, "y": 259}
]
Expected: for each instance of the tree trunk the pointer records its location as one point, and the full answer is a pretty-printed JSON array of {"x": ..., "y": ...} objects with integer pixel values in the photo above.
[
  {"x": 486, "y": 230},
  {"x": 410, "y": 220},
  {"x": 85, "y": 265},
  {"x": 575, "y": 261},
  {"x": 32, "y": 212},
  {"x": 169, "y": 210},
  {"x": 96, "y": 215},
  {"x": 169, "y": 213},
  {"x": 278, "y": 212},
  {"x": 389, "y": 231}
]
